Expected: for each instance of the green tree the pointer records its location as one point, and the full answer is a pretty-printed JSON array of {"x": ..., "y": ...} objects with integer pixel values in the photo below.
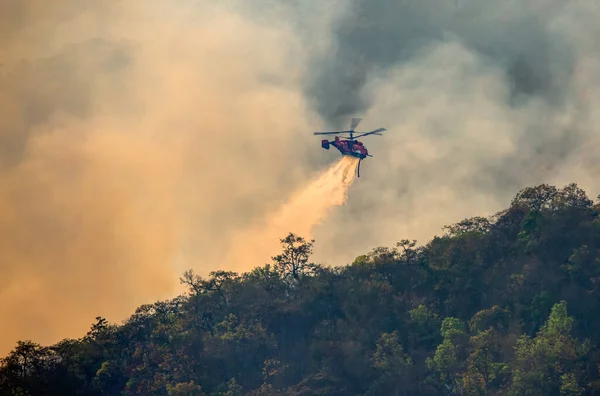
[
  {"x": 485, "y": 372},
  {"x": 185, "y": 389},
  {"x": 392, "y": 322},
  {"x": 293, "y": 261},
  {"x": 393, "y": 365},
  {"x": 448, "y": 359},
  {"x": 547, "y": 364}
]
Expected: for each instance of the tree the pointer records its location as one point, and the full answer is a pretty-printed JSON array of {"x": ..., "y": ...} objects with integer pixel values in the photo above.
[
  {"x": 293, "y": 261},
  {"x": 185, "y": 389},
  {"x": 547, "y": 364},
  {"x": 448, "y": 360},
  {"x": 393, "y": 364},
  {"x": 485, "y": 372},
  {"x": 475, "y": 224},
  {"x": 392, "y": 322}
]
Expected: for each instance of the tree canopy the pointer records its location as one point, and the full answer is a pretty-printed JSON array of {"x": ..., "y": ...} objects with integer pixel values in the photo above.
[{"x": 505, "y": 305}]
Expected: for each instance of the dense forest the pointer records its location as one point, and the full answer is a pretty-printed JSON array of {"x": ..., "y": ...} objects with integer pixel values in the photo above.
[{"x": 505, "y": 305}]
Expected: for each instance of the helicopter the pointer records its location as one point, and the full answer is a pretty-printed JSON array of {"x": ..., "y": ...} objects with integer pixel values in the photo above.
[{"x": 351, "y": 146}]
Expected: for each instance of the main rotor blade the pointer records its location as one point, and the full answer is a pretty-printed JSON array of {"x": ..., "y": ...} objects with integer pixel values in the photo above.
[
  {"x": 354, "y": 123},
  {"x": 375, "y": 132},
  {"x": 331, "y": 133}
]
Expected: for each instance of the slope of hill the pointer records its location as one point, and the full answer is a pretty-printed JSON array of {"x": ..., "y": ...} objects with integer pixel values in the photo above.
[{"x": 501, "y": 305}]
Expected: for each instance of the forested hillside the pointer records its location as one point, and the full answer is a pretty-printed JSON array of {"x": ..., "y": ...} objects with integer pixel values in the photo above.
[{"x": 503, "y": 305}]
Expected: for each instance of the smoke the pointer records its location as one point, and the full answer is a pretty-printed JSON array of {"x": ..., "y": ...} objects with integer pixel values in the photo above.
[
  {"x": 142, "y": 138},
  {"x": 305, "y": 210},
  {"x": 135, "y": 138},
  {"x": 480, "y": 99}
]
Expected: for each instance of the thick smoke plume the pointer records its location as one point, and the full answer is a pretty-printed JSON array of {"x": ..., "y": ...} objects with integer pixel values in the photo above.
[
  {"x": 140, "y": 138},
  {"x": 135, "y": 138},
  {"x": 480, "y": 98},
  {"x": 306, "y": 209}
]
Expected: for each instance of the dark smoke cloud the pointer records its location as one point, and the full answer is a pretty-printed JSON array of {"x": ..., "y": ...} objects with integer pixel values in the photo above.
[
  {"x": 480, "y": 98},
  {"x": 378, "y": 35},
  {"x": 369, "y": 36}
]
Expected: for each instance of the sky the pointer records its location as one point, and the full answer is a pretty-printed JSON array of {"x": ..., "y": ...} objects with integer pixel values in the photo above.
[{"x": 142, "y": 138}]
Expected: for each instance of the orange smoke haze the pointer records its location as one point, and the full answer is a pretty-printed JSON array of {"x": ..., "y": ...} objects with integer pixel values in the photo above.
[
  {"x": 132, "y": 143},
  {"x": 141, "y": 138},
  {"x": 305, "y": 210}
]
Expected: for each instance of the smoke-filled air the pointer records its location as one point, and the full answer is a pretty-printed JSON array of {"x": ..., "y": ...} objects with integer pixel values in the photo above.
[
  {"x": 305, "y": 209},
  {"x": 142, "y": 138}
]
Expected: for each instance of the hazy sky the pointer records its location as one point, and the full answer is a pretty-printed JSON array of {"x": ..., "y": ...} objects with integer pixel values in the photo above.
[{"x": 141, "y": 138}]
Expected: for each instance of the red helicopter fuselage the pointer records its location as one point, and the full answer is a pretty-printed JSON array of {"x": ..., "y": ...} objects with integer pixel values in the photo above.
[{"x": 350, "y": 147}]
